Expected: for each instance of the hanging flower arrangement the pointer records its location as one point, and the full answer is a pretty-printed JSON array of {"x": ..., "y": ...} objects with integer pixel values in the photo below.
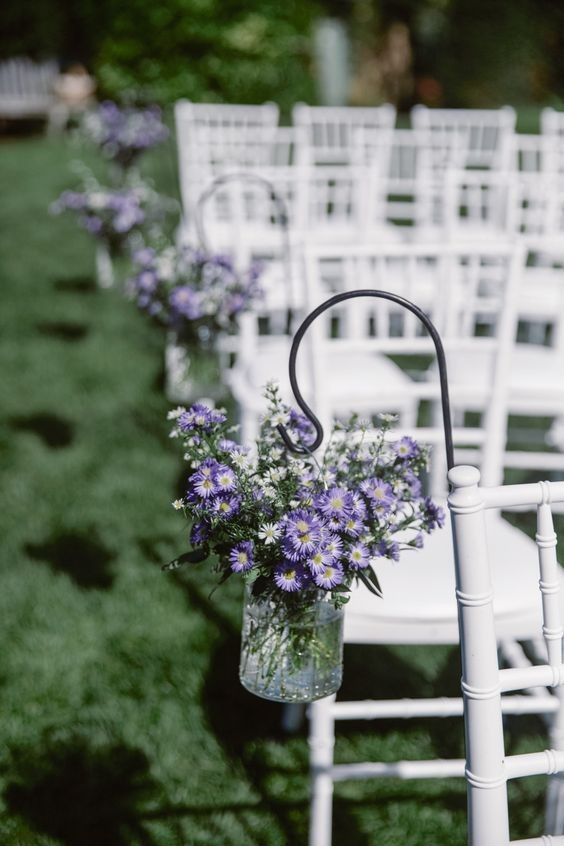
[
  {"x": 124, "y": 133},
  {"x": 301, "y": 533},
  {"x": 194, "y": 293},
  {"x": 113, "y": 216}
]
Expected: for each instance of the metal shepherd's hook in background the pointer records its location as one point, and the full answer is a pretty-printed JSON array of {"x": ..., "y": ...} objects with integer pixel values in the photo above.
[
  {"x": 383, "y": 295},
  {"x": 282, "y": 218}
]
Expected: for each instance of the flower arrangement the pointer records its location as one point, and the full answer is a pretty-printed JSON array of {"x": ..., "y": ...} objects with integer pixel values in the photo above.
[
  {"x": 122, "y": 134},
  {"x": 297, "y": 529},
  {"x": 114, "y": 215},
  {"x": 192, "y": 292}
]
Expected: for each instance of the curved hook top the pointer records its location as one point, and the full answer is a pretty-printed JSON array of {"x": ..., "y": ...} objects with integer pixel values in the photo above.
[
  {"x": 384, "y": 295},
  {"x": 237, "y": 176}
]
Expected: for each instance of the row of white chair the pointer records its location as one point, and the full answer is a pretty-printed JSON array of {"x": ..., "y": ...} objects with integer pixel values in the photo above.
[
  {"x": 464, "y": 290},
  {"x": 220, "y": 134},
  {"x": 359, "y": 204}
]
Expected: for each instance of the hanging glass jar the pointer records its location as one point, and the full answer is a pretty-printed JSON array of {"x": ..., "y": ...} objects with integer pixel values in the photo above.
[{"x": 291, "y": 653}]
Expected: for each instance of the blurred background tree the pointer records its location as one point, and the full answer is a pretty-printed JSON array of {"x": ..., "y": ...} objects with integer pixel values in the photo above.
[{"x": 441, "y": 52}]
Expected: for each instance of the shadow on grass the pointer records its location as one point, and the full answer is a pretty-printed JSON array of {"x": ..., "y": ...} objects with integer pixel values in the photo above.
[
  {"x": 76, "y": 285},
  {"x": 63, "y": 330},
  {"x": 54, "y": 431},
  {"x": 81, "y": 794},
  {"x": 85, "y": 560}
]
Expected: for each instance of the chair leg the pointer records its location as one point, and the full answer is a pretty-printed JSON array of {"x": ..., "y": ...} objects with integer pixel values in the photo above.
[
  {"x": 554, "y": 822},
  {"x": 321, "y": 742}
]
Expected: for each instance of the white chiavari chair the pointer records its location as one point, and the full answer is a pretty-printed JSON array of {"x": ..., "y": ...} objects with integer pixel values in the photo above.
[
  {"x": 212, "y": 136},
  {"x": 535, "y": 381},
  {"x": 330, "y": 132},
  {"x": 419, "y": 605},
  {"x": 552, "y": 128},
  {"x": 484, "y": 685},
  {"x": 477, "y": 138}
]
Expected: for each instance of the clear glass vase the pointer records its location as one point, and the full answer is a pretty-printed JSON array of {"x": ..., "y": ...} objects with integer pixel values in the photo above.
[
  {"x": 192, "y": 371},
  {"x": 291, "y": 656}
]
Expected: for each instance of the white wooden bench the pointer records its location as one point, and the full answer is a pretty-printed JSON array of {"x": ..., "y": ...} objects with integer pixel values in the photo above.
[{"x": 27, "y": 88}]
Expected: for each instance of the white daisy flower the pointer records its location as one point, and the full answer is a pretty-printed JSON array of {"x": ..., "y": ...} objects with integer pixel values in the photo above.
[
  {"x": 269, "y": 532},
  {"x": 178, "y": 505},
  {"x": 175, "y": 413}
]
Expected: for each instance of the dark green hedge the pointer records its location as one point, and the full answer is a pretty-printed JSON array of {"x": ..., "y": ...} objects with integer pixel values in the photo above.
[{"x": 232, "y": 50}]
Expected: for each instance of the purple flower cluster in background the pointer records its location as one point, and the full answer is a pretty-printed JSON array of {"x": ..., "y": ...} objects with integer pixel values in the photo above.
[
  {"x": 123, "y": 133},
  {"x": 297, "y": 526},
  {"x": 186, "y": 288},
  {"x": 113, "y": 215}
]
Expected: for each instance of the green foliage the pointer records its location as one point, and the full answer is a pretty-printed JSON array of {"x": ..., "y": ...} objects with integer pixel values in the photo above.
[{"x": 208, "y": 50}]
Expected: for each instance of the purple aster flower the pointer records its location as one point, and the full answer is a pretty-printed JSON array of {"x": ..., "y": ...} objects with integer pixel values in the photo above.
[
  {"x": 330, "y": 576},
  {"x": 200, "y": 532},
  {"x": 225, "y": 445},
  {"x": 334, "y": 503},
  {"x": 377, "y": 489},
  {"x": 413, "y": 483},
  {"x": 241, "y": 557},
  {"x": 290, "y": 576},
  {"x": 92, "y": 224},
  {"x": 319, "y": 561},
  {"x": 358, "y": 556},
  {"x": 145, "y": 256},
  {"x": 224, "y": 478},
  {"x": 333, "y": 546},
  {"x": 406, "y": 448},
  {"x": 226, "y": 506},
  {"x": 200, "y": 416},
  {"x": 353, "y": 526},
  {"x": 301, "y": 426},
  {"x": 203, "y": 485},
  {"x": 417, "y": 541},
  {"x": 147, "y": 281},
  {"x": 185, "y": 302},
  {"x": 433, "y": 514},
  {"x": 302, "y": 532},
  {"x": 388, "y": 549}
]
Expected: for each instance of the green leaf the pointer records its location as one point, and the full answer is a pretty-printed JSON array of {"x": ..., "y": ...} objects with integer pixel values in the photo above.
[
  {"x": 368, "y": 581},
  {"x": 340, "y": 589},
  {"x": 374, "y": 579},
  {"x": 195, "y": 556}
]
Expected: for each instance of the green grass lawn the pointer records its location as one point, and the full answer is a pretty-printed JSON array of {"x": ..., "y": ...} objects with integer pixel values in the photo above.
[{"x": 121, "y": 717}]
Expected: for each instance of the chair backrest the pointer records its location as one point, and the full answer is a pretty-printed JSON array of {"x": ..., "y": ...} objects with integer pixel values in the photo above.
[
  {"x": 531, "y": 153},
  {"x": 211, "y": 136},
  {"x": 478, "y": 138},
  {"x": 322, "y": 204},
  {"x": 488, "y": 768},
  {"x": 474, "y": 204},
  {"x": 468, "y": 291},
  {"x": 330, "y": 132}
]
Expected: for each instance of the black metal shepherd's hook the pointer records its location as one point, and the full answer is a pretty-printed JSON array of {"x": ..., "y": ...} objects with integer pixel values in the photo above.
[
  {"x": 351, "y": 295},
  {"x": 282, "y": 217}
]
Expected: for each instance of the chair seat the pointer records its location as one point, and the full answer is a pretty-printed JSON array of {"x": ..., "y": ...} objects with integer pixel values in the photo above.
[
  {"x": 348, "y": 385},
  {"x": 536, "y": 378},
  {"x": 419, "y": 602}
]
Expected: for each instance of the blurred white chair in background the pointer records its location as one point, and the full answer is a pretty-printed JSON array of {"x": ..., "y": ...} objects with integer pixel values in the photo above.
[
  {"x": 212, "y": 135},
  {"x": 475, "y": 138},
  {"x": 419, "y": 605},
  {"x": 552, "y": 128},
  {"x": 330, "y": 132}
]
